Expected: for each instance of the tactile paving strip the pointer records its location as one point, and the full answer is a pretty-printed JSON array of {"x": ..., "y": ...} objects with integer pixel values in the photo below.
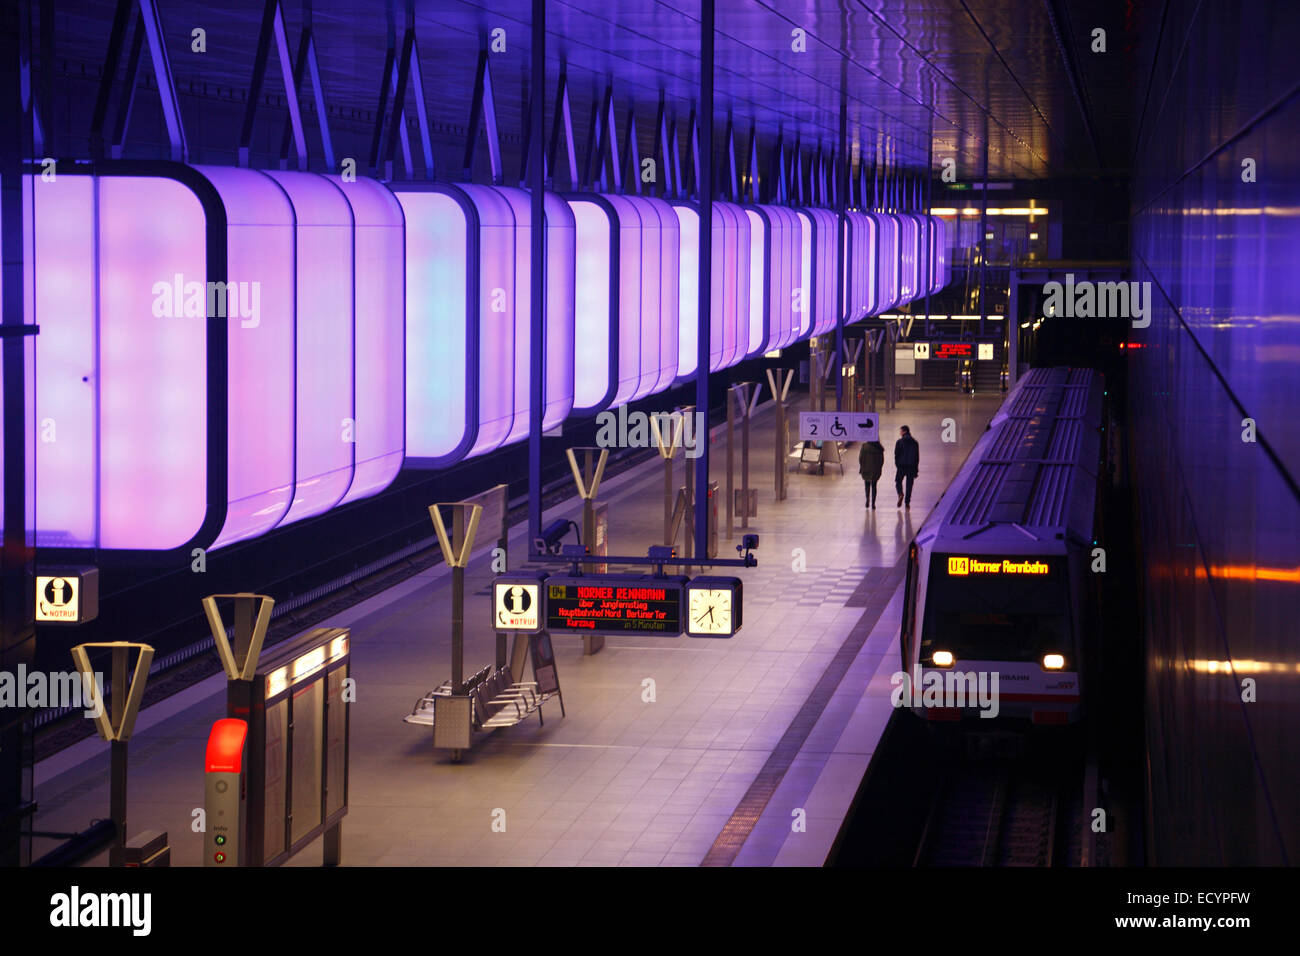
[{"x": 876, "y": 588}]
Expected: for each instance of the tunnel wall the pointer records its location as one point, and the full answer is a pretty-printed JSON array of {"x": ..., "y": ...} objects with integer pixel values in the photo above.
[{"x": 1216, "y": 86}]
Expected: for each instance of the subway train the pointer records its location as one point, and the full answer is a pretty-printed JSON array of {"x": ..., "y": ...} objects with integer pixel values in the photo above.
[
  {"x": 225, "y": 351},
  {"x": 1000, "y": 602}
]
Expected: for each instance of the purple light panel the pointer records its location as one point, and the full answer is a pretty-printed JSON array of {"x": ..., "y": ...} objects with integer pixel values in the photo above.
[
  {"x": 887, "y": 263},
  {"x": 323, "y": 343},
  {"x": 688, "y": 222},
  {"x": 378, "y": 347},
  {"x": 909, "y": 245},
  {"x": 498, "y": 322},
  {"x": 756, "y": 337},
  {"x": 824, "y": 278},
  {"x": 440, "y": 322},
  {"x": 804, "y": 305},
  {"x": 560, "y": 311},
  {"x": 784, "y": 255},
  {"x": 860, "y": 290},
  {"x": 595, "y": 302},
  {"x": 260, "y": 425}
]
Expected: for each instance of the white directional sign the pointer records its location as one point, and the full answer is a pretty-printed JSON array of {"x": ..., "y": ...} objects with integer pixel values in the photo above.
[
  {"x": 986, "y": 350},
  {"x": 921, "y": 350},
  {"x": 838, "y": 426},
  {"x": 516, "y": 606}
]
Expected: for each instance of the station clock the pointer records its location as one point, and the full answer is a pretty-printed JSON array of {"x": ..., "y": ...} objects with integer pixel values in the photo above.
[{"x": 713, "y": 606}]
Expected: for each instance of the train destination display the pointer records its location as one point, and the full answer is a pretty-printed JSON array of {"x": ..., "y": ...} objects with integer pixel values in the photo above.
[{"x": 615, "y": 604}]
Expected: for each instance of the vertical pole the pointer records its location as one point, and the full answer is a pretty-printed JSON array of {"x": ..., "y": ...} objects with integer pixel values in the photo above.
[
  {"x": 744, "y": 462},
  {"x": 984, "y": 219},
  {"x": 17, "y": 630},
  {"x": 731, "y": 461},
  {"x": 842, "y": 195},
  {"x": 537, "y": 326},
  {"x": 588, "y": 505},
  {"x": 703, "y": 339},
  {"x": 117, "y": 770},
  {"x": 457, "y": 605},
  {"x": 668, "y": 502}
]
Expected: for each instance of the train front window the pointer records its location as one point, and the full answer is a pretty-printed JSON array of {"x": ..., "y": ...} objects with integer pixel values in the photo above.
[{"x": 996, "y": 608}]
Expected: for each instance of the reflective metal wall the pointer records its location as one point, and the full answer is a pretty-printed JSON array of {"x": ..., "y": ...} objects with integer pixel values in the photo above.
[{"x": 1216, "y": 232}]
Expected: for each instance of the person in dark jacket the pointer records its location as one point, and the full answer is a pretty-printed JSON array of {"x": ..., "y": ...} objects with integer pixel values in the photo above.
[
  {"x": 871, "y": 462},
  {"x": 907, "y": 462}
]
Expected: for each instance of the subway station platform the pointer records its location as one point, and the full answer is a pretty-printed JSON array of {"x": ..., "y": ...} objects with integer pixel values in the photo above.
[{"x": 741, "y": 735}]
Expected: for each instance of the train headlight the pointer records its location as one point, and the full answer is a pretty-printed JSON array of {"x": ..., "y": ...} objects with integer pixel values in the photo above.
[
  {"x": 942, "y": 658},
  {"x": 1053, "y": 662}
]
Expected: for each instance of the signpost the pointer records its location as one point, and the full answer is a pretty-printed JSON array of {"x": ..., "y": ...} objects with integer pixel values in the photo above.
[{"x": 839, "y": 426}]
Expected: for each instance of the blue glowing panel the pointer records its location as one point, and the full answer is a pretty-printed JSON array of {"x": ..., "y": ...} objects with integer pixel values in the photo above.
[
  {"x": 861, "y": 275},
  {"x": 825, "y": 278},
  {"x": 729, "y": 322},
  {"x": 803, "y": 306},
  {"x": 759, "y": 306},
  {"x": 561, "y": 245},
  {"x": 260, "y": 245},
  {"x": 909, "y": 244},
  {"x": 669, "y": 296},
  {"x": 500, "y": 246},
  {"x": 595, "y": 324},
  {"x": 940, "y": 254},
  {"x": 442, "y": 295},
  {"x": 323, "y": 358},
  {"x": 379, "y": 383},
  {"x": 887, "y": 263},
  {"x": 787, "y": 252}
]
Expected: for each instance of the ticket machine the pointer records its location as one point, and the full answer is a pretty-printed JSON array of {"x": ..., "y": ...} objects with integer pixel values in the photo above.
[{"x": 224, "y": 793}]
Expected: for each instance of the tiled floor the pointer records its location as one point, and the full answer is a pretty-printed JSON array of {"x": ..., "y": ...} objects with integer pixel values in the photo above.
[{"x": 621, "y": 779}]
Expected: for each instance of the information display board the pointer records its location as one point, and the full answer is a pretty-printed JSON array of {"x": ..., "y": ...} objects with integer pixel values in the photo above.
[
  {"x": 950, "y": 350},
  {"x": 615, "y": 604}
]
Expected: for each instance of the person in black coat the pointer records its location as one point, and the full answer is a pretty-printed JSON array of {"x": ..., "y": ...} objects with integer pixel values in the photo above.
[
  {"x": 907, "y": 462},
  {"x": 871, "y": 462}
]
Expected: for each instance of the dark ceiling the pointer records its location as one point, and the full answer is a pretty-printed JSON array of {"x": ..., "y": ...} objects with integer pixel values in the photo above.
[{"x": 953, "y": 74}]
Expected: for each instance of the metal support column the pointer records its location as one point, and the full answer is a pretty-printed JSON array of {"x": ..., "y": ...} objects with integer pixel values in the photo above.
[
  {"x": 537, "y": 327},
  {"x": 841, "y": 196},
  {"x": 704, "y": 345}
]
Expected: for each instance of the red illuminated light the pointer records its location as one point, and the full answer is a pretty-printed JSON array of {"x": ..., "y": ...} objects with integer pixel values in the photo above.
[{"x": 226, "y": 746}]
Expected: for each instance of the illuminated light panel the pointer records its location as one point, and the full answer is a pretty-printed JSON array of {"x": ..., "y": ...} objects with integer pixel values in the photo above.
[
  {"x": 1248, "y": 572},
  {"x": 63, "y": 297},
  {"x": 379, "y": 347},
  {"x": 760, "y": 303},
  {"x": 688, "y": 223},
  {"x": 960, "y": 566},
  {"x": 260, "y": 349},
  {"x": 783, "y": 259},
  {"x": 806, "y": 278},
  {"x": 824, "y": 280},
  {"x": 595, "y": 339},
  {"x": 323, "y": 342},
  {"x": 441, "y": 319},
  {"x": 153, "y": 412},
  {"x": 1244, "y": 667},
  {"x": 861, "y": 287},
  {"x": 909, "y": 245},
  {"x": 729, "y": 325},
  {"x": 561, "y": 290},
  {"x": 887, "y": 263}
]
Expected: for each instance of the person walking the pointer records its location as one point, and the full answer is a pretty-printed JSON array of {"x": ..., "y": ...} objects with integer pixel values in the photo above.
[
  {"x": 907, "y": 461},
  {"x": 871, "y": 462}
]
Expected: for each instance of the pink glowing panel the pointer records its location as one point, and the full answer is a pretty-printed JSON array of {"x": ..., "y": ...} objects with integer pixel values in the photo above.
[
  {"x": 649, "y": 333},
  {"x": 592, "y": 388},
  {"x": 440, "y": 324},
  {"x": 260, "y": 348},
  {"x": 784, "y": 256},
  {"x": 669, "y": 324},
  {"x": 803, "y": 306},
  {"x": 759, "y": 304},
  {"x": 825, "y": 224},
  {"x": 629, "y": 299},
  {"x": 62, "y": 301},
  {"x": 688, "y": 222},
  {"x": 730, "y": 319},
  {"x": 560, "y": 315},
  {"x": 862, "y": 275},
  {"x": 153, "y": 337},
  {"x": 909, "y": 247},
  {"x": 378, "y": 433},
  {"x": 325, "y": 416},
  {"x": 498, "y": 307},
  {"x": 515, "y": 325},
  {"x": 887, "y": 263},
  {"x": 941, "y": 273}
]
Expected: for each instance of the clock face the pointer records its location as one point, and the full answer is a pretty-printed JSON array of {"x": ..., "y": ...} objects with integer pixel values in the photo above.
[{"x": 710, "y": 611}]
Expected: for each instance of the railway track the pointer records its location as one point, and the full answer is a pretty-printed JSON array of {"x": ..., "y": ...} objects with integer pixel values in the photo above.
[{"x": 1002, "y": 814}]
